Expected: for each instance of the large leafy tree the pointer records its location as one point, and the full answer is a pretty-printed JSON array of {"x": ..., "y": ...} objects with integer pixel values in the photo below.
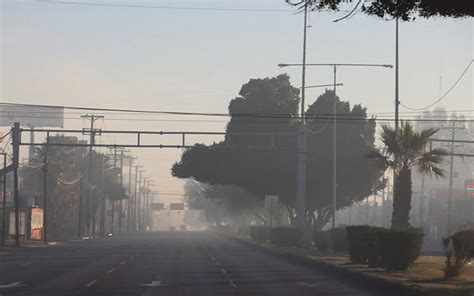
[
  {"x": 259, "y": 151},
  {"x": 66, "y": 167},
  {"x": 404, "y": 9},
  {"x": 403, "y": 151},
  {"x": 357, "y": 177}
]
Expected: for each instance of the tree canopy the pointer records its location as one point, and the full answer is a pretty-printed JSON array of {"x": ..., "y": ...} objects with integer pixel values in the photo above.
[
  {"x": 259, "y": 150},
  {"x": 404, "y": 9}
]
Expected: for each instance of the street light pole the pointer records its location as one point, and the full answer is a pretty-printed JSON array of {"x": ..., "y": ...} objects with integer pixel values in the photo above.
[
  {"x": 334, "y": 159},
  {"x": 301, "y": 142},
  {"x": 4, "y": 203},
  {"x": 334, "y": 163}
]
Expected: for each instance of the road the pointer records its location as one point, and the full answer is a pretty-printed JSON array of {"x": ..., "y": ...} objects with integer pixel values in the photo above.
[{"x": 161, "y": 263}]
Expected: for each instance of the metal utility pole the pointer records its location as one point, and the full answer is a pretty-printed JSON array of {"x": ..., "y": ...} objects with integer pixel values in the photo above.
[
  {"x": 4, "y": 203},
  {"x": 45, "y": 190},
  {"x": 113, "y": 200},
  {"x": 79, "y": 226},
  {"x": 103, "y": 205},
  {"x": 138, "y": 197},
  {"x": 135, "y": 199},
  {"x": 92, "y": 132},
  {"x": 16, "y": 160},
  {"x": 451, "y": 165},
  {"x": 129, "y": 204},
  {"x": 120, "y": 216},
  {"x": 397, "y": 101},
  {"x": 334, "y": 161},
  {"x": 301, "y": 141},
  {"x": 421, "y": 202}
]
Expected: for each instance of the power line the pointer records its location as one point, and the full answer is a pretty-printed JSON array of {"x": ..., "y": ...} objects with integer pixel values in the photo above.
[
  {"x": 447, "y": 92},
  {"x": 165, "y": 7},
  {"x": 232, "y": 115},
  {"x": 144, "y": 114}
]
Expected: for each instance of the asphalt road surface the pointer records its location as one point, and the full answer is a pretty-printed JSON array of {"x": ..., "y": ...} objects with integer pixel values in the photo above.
[{"x": 161, "y": 263}]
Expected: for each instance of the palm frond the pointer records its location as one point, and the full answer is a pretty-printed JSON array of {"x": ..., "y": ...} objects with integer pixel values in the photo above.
[
  {"x": 390, "y": 140},
  {"x": 429, "y": 162}
]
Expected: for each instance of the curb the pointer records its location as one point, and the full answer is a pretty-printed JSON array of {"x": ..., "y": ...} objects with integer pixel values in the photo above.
[{"x": 360, "y": 279}]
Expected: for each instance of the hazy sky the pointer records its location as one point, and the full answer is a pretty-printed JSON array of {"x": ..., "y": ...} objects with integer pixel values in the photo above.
[{"x": 190, "y": 60}]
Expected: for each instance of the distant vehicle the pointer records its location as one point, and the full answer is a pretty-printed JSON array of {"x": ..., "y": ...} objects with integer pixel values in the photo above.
[
  {"x": 182, "y": 227},
  {"x": 172, "y": 228}
]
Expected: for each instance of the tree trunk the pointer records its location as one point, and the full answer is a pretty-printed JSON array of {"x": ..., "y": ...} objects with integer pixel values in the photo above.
[
  {"x": 402, "y": 200},
  {"x": 322, "y": 220}
]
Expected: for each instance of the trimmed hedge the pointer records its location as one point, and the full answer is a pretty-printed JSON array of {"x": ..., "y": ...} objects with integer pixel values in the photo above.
[
  {"x": 363, "y": 244},
  {"x": 286, "y": 236},
  {"x": 259, "y": 233},
  {"x": 338, "y": 238},
  {"x": 321, "y": 240},
  {"x": 458, "y": 250},
  {"x": 398, "y": 248}
]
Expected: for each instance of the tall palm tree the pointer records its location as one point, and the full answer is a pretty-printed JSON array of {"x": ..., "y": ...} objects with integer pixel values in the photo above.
[{"x": 403, "y": 151}]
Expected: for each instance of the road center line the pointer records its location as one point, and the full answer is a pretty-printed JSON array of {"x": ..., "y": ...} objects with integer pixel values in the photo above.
[
  {"x": 110, "y": 270},
  {"x": 223, "y": 270},
  {"x": 232, "y": 284},
  {"x": 90, "y": 283}
]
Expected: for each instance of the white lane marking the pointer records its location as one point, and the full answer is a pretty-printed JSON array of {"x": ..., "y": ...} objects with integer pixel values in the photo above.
[
  {"x": 218, "y": 263},
  {"x": 223, "y": 270},
  {"x": 26, "y": 264},
  {"x": 138, "y": 254},
  {"x": 90, "y": 283},
  {"x": 232, "y": 284},
  {"x": 12, "y": 285},
  {"x": 152, "y": 284},
  {"x": 131, "y": 258},
  {"x": 123, "y": 262},
  {"x": 110, "y": 270}
]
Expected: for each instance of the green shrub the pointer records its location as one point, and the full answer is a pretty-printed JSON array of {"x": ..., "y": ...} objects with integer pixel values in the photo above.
[
  {"x": 398, "y": 248},
  {"x": 458, "y": 250},
  {"x": 321, "y": 240},
  {"x": 363, "y": 244},
  {"x": 358, "y": 244},
  {"x": 286, "y": 236},
  {"x": 338, "y": 239},
  {"x": 259, "y": 233}
]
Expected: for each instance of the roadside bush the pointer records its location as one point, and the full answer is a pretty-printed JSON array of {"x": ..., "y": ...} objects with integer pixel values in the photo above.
[
  {"x": 399, "y": 248},
  {"x": 321, "y": 240},
  {"x": 338, "y": 239},
  {"x": 286, "y": 236},
  {"x": 259, "y": 233},
  {"x": 458, "y": 250},
  {"x": 363, "y": 244}
]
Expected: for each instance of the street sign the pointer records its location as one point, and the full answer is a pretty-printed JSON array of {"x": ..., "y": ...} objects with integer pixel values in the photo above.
[{"x": 177, "y": 206}]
